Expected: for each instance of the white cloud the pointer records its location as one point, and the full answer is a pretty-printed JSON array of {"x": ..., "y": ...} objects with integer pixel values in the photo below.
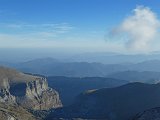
[{"x": 141, "y": 29}]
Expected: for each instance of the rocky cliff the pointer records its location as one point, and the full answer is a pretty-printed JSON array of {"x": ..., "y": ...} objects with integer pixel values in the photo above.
[{"x": 31, "y": 92}]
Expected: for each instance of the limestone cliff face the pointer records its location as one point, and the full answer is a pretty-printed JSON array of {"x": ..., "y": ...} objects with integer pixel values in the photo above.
[
  {"x": 39, "y": 96},
  {"x": 29, "y": 91}
]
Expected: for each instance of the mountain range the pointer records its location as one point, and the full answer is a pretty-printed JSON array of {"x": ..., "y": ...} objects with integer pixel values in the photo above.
[
  {"x": 54, "y": 67},
  {"x": 122, "y": 95}
]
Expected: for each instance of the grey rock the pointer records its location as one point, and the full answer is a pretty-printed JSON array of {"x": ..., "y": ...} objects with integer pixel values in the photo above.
[
  {"x": 14, "y": 112},
  {"x": 31, "y": 92}
]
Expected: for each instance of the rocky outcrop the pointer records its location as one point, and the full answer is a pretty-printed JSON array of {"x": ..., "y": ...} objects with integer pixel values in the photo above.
[
  {"x": 38, "y": 96},
  {"x": 31, "y": 92},
  {"x": 14, "y": 112}
]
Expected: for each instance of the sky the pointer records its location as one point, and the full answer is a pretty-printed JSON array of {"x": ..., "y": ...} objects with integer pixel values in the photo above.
[{"x": 80, "y": 25}]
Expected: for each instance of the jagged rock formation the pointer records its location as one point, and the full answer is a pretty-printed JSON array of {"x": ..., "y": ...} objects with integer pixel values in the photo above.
[
  {"x": 151, "y": 114},
  {"x": 31, "y": 92}
]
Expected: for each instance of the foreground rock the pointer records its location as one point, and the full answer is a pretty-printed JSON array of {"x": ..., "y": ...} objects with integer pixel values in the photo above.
[
  {"x": 13, "y": 112},
  {"x": 31, "y": 92}
]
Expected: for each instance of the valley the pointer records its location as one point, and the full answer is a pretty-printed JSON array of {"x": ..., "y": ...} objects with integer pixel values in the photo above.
[{"x": 118, "y": 96}]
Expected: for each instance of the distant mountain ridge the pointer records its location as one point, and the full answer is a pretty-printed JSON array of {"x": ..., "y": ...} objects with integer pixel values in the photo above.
[
  {"x": 137, "y": 76},
  {"x": 53, "y": 67},
  {"x": 114, "y": 58}
]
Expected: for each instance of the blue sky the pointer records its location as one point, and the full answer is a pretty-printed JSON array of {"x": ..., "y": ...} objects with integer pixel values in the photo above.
[{"x": 66, "y": 24}]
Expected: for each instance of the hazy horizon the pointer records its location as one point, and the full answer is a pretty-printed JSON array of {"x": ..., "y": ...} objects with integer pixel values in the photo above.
[{"x": 17, "y": 55}]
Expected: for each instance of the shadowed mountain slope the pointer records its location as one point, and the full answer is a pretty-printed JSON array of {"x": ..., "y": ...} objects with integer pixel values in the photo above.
[
  {"x": 70, "y": 87},
  {"x": 120, "y": 103}
]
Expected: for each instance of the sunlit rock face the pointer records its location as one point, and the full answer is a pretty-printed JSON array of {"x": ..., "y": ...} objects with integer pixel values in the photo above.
[{"x": 27, "y": 90}]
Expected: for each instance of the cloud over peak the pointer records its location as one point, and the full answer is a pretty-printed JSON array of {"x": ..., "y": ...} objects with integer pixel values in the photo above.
[{"x": 141, "y": 28}]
